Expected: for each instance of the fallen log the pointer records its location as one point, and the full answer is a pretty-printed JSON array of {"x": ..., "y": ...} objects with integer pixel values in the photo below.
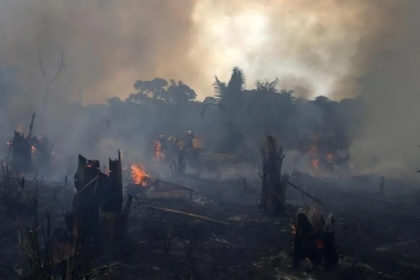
[
  {"x": 186, "y": 214},
  {"x": 169, "y": 195}
]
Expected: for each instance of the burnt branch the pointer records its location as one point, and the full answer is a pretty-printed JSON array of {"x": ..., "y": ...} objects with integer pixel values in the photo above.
[{"x": 49, "y": 82}]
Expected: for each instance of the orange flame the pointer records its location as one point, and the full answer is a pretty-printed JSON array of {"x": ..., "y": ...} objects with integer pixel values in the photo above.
[
  {"x": 139, "y": 175},
  {"x": 33, "y": 149},
  {"x": 159, "y": 153},
  {"x": 319, "y": 245},
  {"x": 330, "y": 158},
  {"x": 315, "y": 163}
]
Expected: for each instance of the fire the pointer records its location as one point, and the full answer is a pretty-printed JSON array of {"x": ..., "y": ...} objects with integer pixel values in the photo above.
[
  {"x": 319, "y": 245},
  {"x": 139, "y": 175},
  {"x": 292, "y": 226},
  {"x": 33, "y": 149},
  {"x": 159, "y": 153},
  {"x": 313, "y": 153},
  {"x": 329, "y": 158}
]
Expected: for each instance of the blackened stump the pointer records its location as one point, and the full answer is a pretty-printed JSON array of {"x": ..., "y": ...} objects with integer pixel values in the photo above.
[{"x": 314, "y": 239}]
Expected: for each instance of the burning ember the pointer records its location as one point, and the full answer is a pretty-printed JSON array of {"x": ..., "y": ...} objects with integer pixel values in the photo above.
[
  {"x": 315, "y": 163},
  {"x": 33, "y": 149},
  {"x": 330, "y": 158},
  {"x": 293, "y": 228},
  {"x": 159, "y": 153},
  {"x": 139, "y": 175}
]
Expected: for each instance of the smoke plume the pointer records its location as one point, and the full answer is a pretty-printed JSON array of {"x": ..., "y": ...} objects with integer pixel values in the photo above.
[
  {"x": 390, "y": 134},
  {"x": 109, "y": 44},
  {"x": 322, "y": 47},
  {"x": 329, "y": 44}
]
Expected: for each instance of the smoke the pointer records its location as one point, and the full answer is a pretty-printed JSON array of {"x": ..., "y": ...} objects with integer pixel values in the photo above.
[
  {"x": 314, "y": 47},
  {"x": 110, "y": 44},
  {"x": 328, "y": 44},
  {"x": 390, "y": 134}
]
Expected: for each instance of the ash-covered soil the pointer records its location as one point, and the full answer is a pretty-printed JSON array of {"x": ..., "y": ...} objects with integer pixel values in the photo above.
[{"x": 378, "y": 235}]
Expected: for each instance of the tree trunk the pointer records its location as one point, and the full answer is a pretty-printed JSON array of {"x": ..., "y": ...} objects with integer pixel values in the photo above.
[{"x": 273, "y": 193}]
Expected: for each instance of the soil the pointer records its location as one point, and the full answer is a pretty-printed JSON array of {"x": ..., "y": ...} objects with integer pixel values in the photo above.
[{"x": 378, "y": 235}]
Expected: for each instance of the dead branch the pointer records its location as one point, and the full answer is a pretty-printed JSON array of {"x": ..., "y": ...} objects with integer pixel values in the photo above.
[
  {"x": 185, "y": 214},
  {"x": 305, "y": 193},
  {"x": 49, "y": 82}
]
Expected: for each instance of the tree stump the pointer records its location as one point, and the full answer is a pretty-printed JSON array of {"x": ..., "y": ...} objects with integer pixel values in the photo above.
[
  {"x": 314, "y": 239},
  {"x": 97, "y": 203},
  {"x": 21, "y": 152},
  {"x": 273, "y": 191}
]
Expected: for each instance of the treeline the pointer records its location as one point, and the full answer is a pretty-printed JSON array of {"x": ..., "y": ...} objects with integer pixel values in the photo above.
[{"x": 235, "y": 117}]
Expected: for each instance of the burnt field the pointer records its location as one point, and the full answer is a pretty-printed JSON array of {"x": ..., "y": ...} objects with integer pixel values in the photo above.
[{"x": 221, "y": 234}]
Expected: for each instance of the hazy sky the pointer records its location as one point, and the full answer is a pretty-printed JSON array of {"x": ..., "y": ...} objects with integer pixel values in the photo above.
[{"x": 316, "y": 47}]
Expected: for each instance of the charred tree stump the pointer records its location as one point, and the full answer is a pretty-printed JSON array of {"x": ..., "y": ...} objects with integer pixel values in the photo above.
[
  {"x": 21, "y": 148},
  {"x": 273, "y": 193},
  {"x": 97, "y": 203},
  {"x": 21, "y": 153},
  {"x": 314, "y": 239}
]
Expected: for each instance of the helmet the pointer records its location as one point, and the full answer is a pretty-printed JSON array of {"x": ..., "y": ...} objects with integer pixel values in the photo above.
[
  {"x": 190, "y": 132},
  {"x": 171, "y": 138}
]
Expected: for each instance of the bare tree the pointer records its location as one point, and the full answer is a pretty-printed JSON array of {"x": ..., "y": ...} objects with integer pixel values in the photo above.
[{"x": 49, "y": 82}]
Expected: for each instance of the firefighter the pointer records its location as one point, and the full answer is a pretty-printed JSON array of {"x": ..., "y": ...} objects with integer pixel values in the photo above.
[
  {"x": 181, "y": 160},
  {"x": 172, "y": 148},
  {"x": 192, "y": 151},
  {"x": 162, "y": 141},
  {"x": 159, "y": 148},
  {"x": 190, "y": 137}
]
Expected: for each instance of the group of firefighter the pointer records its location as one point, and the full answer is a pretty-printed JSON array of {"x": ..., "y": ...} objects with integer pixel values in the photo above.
[
  {"x": 326, "y": 150},
  {"x": 172, "y": 150}
]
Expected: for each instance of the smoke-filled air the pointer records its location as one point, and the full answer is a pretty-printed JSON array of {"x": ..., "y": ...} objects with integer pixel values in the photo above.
[{"x": 204, "y": 139}]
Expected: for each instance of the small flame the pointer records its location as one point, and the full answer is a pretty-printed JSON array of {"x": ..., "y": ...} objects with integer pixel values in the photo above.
[
  {"x": 292, "y": 226},
  {"x": 33, "y": 149},
  {"x": 315, "y": 163},
  {"x": 329, "y": 158},
  {"x": 139, "y": 175},
  {"x": 293, "y": 229},
  {"x": 319, "y": 245},
  {"x": 159, "y": 153}
]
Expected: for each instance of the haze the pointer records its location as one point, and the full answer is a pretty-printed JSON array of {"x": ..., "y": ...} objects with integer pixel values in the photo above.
[
  {"x": 323, "y": 45},
  {"x": 334, "y": 48}
]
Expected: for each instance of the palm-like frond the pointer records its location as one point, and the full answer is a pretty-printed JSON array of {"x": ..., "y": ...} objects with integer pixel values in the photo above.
[
  {"x": 237, "y": 80},
  {"x": 219, "y": 88},
  {"x": 267, "y": 86}
]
